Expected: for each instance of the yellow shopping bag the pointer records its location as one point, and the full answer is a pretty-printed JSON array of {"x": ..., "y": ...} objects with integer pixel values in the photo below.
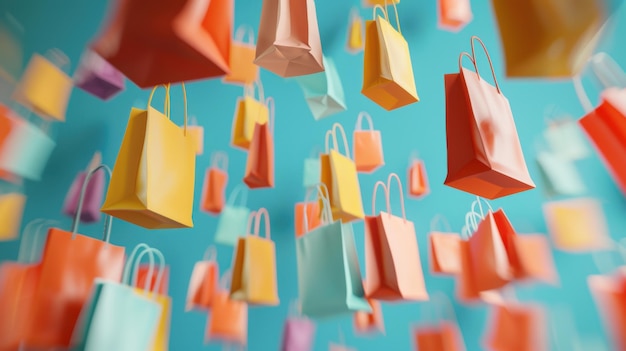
[
  {"x": 249, "y": 112},
  {"x": 11, "y": 211},
  {"x": 254, "y": 269},
  {"x": 370, "y": 3},
  {"x": 153, "y": 178},
  {"x": 339, "y": 174},
  {"x": 387, "y": 70},
  {"x": 44, "y": 87},
  {"x": 355, "y": 32}
]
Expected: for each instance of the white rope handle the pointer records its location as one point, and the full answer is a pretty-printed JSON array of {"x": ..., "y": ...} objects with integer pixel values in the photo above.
[
  {"x": 239, "y": 189},
  {"x": 218, "y": 156},
  {"x": 161, "y": 271},
  {"x": 582, "y": 94},
  {"x": 260, "y": 214},
  {"x": 210, "y": 254},
  {"x": 439, "y": 218},
  {"x": 359, "y": 119},
  {"x": 480, "y": 206},
  {"x": 242, "y": 30},
  {"x": 607, "y": 71}
]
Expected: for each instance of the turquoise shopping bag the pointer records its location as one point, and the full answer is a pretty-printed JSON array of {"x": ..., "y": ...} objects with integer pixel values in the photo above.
[
  {"x": 312, "y": 169},
  {"x": 559, "y": 176},
  {"x": 232, "y": 221},
  {"x": 323, "y": 91},
  {"x": 116, "y": 317},
  {"x": 329, "y": 276}
]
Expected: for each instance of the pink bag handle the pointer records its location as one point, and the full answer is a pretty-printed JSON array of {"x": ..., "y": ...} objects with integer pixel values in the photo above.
[
  {"x": 262, "y": 213},
  {"x": 360, "y": 118},
  {"x": 108, "y": 220},
  {"x": 218, "y": 156},
  {"x": 333, "y": 132},
  {"x": 242, "y": 30},
  {"x": 378, "y": 183},
  {"x": 210, "y": 254},
  {"x": 327, "y": 215},
  {"x": 395, "y": 176},
  {"x": 473, "y": 59}
]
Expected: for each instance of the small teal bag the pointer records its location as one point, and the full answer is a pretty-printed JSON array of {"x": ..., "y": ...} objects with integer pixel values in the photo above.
[
  {"x": 232, "y": 221},
  {"x": 329, "y": 276},
  {"x": 559, "y": 175},
  {"x": 565, "y": 138},
  {"x": 323, "y": 91},
  {"x": 312, "y": 171}
]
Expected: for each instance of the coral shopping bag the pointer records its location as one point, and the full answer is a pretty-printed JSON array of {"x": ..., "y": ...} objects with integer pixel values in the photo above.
[
  {"x": 203, "y": 282},
  {"x": 609, "y": 294},
  {"x": 323, "y": 91},
  {"x": 289, "y": 40},
  {"x": 260, "y": 162},
  {"x": 329, "y": 277},
  {"x": 144, "y": 276},
  {"x": 167, "y": 41},
  {"x": 444, "y": 249},
  {"x": 232, "y": 221},
  {"x": 70, "y": 263},
  {"x": 484, "y": 153},
  {"x": 339, "y": 174},
  {"x": 93, "y": 197},
  {"x": 387, "y": 70},
  {"x": 369, "y": 322},
  {"x": 393, "y": 269},
  {"x": 117, "y": 316},
  {"x": 418, "y": 178},
  {"x": 454, "y": 15},
  {"x": 442, "y": 334},
  {"x": 298, "y": 331},
  {"x": 242, "y": 67},
  {"x": 153, "y": 178},
  {"x": 516, "y": 327},
  {"x": 228, "y": 320},
  {"x": 17, "y": 286},
  {"x": 367, "y": 146},
  {"x": 249, "y": 112},
  {"x": 313, "y": 213},
  {"x": 215, "y": 180}
]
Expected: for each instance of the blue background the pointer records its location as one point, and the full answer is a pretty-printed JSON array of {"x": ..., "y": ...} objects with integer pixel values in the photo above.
[{"x": 95, "y": 125}]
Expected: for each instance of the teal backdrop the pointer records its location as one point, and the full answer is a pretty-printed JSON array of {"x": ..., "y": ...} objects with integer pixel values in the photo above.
[{"x": 96, "y": 125}]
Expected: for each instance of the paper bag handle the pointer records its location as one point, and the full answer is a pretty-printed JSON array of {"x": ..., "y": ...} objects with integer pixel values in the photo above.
[
  {"x": 108, "y": 220},
  {"x": 210, "y": 254},
  {"x": 58, "y": 58},
  {"x": 479, "y": 200},
  {"x": 262, "y": 213},
  {"x": 157, "y": 284},
  {"x": 602, "y": 266},
  {"x": 359, "y": 119},
  {"x": 218, "y": 156},
  {"x": 271, "y": 111},
  {"x": 439, "y": 218},
  {"x": 226, "y": 279},
  {"x": 130, "y": 261},
  {"x": 239, "y": 189},
  {"x": 606, "y": 69},
  {"x": 248, "y": 90},
  {"x": 30, "y": 238},
  {"x": 333, "y": 133},
  {"x": 325, "y": 210},
  {"x": 395, "y": 8},
  {"x": 242, "y": 30}
]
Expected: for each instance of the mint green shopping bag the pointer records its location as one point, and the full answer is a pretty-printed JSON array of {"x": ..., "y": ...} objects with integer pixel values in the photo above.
[
  {"x": 329, "y": 276},
  {"x": 116, "y": 317},
  {"x": 323, "y": 91},
  {"x": 312, "y": 169},
  {"x": 559, "y": 175},
  {"x": 232, "y": 221}
]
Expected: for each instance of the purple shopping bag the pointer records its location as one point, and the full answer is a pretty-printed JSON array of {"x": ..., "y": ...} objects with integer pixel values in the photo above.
[
  {"x": 98, "y": 77},
  {"x": 299, "y": 331},
  {"x": 94, "y": 194}
]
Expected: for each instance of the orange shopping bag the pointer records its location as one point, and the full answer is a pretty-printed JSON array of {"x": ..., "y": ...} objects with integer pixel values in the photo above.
[
  {"x": 466, "y": 290},
  {"x": 242, "y": 67},
  {"x": 367, "y": 146},
  {"x": 228, "y": 320},
  {"x": 369, "y": 322},
  {"x": 393, "y": 268},
  {"x": 260, "y": 162},
  {"x": 484, "y": 153},
  {"x": 454, "y": 15},
  {"x": 443, "y": 334},
  {"x": 444, "y": 249},
  {"x": 516, "y": 327},
  {"x": 609, "y": 293},
  {"x": 215, "y": 180},
  {"x": 417, "y": 178},
  {"x": 307, "y": 214},
  {"x": 203, "y": 282}
]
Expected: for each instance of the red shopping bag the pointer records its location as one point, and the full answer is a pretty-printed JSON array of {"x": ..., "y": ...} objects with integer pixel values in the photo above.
[
  {"x": 515, "y": 327},
  {"x": 484, "y": 153},
  {"x": 445, "y": 256},
  {"x": 609, "y": 293},
  {"x": 418, "y": 179},
  {"x": 215, "y": 180},
  {"x": 203, "y": 282},
  {"x": 260, "y": 163},
  {"x": 144, "y": 276}
]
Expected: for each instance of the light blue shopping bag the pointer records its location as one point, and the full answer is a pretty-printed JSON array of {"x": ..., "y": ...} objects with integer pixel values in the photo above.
[
  {"x": 232, "y": 221},
  {"x": 559, "y": 175},
  {"x": 565, "y": 138},
  {"x": 311, "y": 174},
  {"x": 323, "y": 91}
]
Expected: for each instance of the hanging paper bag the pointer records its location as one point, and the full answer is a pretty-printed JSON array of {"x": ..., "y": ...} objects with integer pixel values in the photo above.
[
  {"x": 387, "y": 70},
  {"x": 298, "y": 331},
  {"x": 339, "y": 174},
  {"x": 565, "y": 139},
  {"x": 535, "y": 261},
  {"x": 444, "y": 249},
  {"x": 443, "y": 334},
  {"x": 329, "y": 277},
  {"x": 12, "y": 206},
  {"x": 355, "y": 41},
  {"x": 609, "y": 294},
  {"x": 418, "y": 179},
  {"x": 515, "y": 327},
  {"x": 313, "y": 213},
  {"x": 367, "y": 146},
  {"x": 576, "y": 225},
  {"x": 249, "y": 112},
  {"x": 24, "y": 147},
  {"x": 232, "y": 221},
  {"x": 44, "y": 87},
  {"x": 175, "y": 41},
  {"x": 196, "y": 132},
  {"x": 116, "y": 316},
  {"x": 369, "y": 322},
  {"x": 392, "y": 263},
  {"x": 242, "y": 67},
  {"x": 157, "y": 194},
  {"x": 254, "y": 265},
  {"x": 466, "y": 290},
  {"x": 323, "y": 91},
  {"x": 215, "y": 180},
  {"x": 289, "y": 40},
  {"x": 70, "y": 263},
  {"x": 228, "y": 320},
  {"x": 260, "y": 162},
  {"x": 484, "y": 153},
  {"x": 203, "y": 282},
  {"x": 312, "y": 169},
  {"x": 574, "y": 28},
  {"x": 454, "y": 15},
  {"x": 93, "y": 195},
  {"x": 559, "y": 175},
  {"x": 97, "y": 77},
  {"x": 146, "y": 278}
]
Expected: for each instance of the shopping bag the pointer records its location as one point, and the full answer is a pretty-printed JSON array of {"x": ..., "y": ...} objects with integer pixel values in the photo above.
[
  {"x": 442, "y": 334},
  {"x": 560, "y": 176},
  {"x": 241, "y": 58},
  {"x": 371, "y": 3},
  {"x": 93, "y": 194},
  {"x": 484, "y": 153},
  {"x": 289, "y": 41},
  {"x": 12, "y": 206},
  {"x": 228, "y": 320},
  {"x": 367, "y": 146},
  {"x": 97, "y": 77},
  {"x": 249, "y": 112},
  {"x": 417, "y": 178},
  {"x": 393, "y": 268},
  {"x": 44, "y": 87},
  {"x": 516, "y": 327},
  {"x": 355, "y": 42},
  {"x": 323, "y": 91},
  {"x": 196, "y": 132},
  {"x": 215, "y": 181},
  {"x": 339, "y": 174},
  {"x": 444, "y": 246},
  {"x": 466, "y": 290},
  {"x": 311, "y": 172},
  {"x": 254, "y": 265},
  {"x": 307, "y": 214},
  {"x": 369, "y": 322},
  {"x": 387, "y": 70},
  {"x": 609, "y": 294},
  {"x": 454, "y": 15},
  {"x": 577, "y": 225},
  {"x": 24, "y": 147},
  {"x": 534, "y": 259},
  {"x": 329, "y": 276},
  {"x": 175, "y": 41},
  {"x": 116, "y": 316},
  {"x": 574, "y": 28},
  {"x": 153, "y": 178},
  {"x": 231, "y": 223},
  {"x": 565, "y": 139},
  {"x": 298, "y": 331},
  {"x": 146, "y": 278},
  {"x": 260, "y": 163},
  {"x": 203, "y": 282},
  {"x": 69, "y": 265}
]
